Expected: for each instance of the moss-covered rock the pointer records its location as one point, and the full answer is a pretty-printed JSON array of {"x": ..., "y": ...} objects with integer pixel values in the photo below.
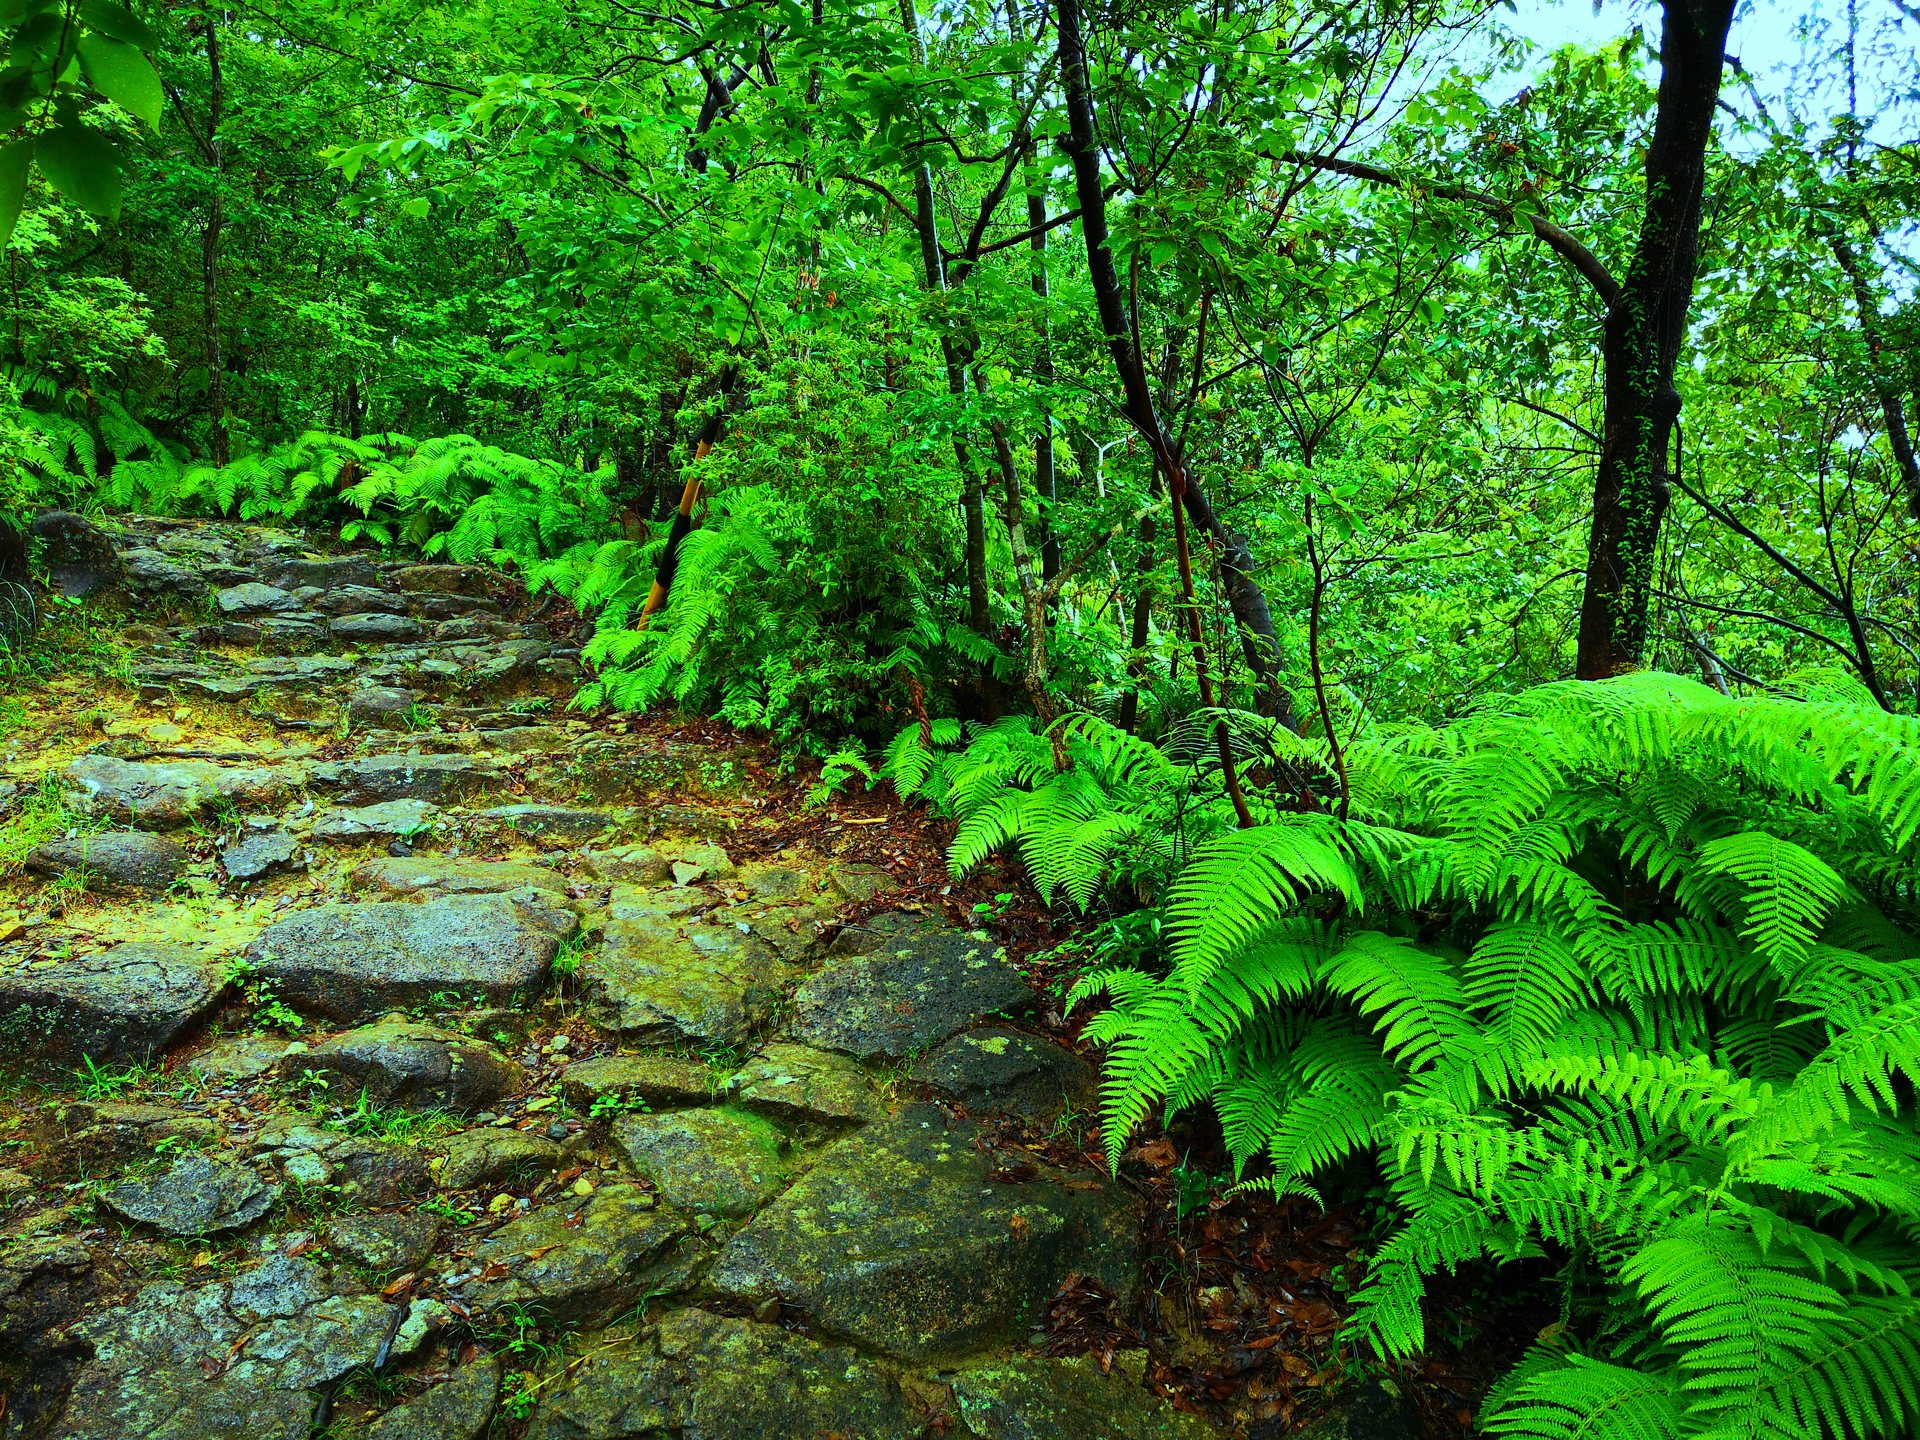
[
  {"x": 1034, "y": 1397},
  {"x": 910, "y": 1239},
  {"x": 719, "y": 1162}
]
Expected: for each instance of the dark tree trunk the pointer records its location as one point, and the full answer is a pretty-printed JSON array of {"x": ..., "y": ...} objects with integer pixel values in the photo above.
[
  {"x": 1645, "y": 328},
  {"x": 1885, "y": 390},
  {"x": 1251, "y": 614}
]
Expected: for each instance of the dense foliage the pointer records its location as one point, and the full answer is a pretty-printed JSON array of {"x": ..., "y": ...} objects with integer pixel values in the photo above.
[{"x": 1206, "y": 440}]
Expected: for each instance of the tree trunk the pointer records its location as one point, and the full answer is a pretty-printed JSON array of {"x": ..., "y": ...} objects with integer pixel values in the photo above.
[
  {"x": 1247, "y": 600},
  {"x": 210, "y": 250},
  {"x": 1645, "y": 328},
  {"x": 1892, "y": 410}
]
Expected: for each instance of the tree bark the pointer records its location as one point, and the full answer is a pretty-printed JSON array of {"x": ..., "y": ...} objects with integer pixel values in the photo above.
[
  {"x": 1252, "y": 615},
  {"x": 1645, "y": 328},
  {"x": 218, "y": 442},
  {"x": 1892, "y": 409}
]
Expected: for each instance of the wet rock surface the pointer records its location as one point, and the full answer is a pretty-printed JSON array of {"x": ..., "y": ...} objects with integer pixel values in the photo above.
[
  {"x": 908, "y": 1239},
  {"x": 426, "y": 1026},
  {"x": 900, "y": 984}
]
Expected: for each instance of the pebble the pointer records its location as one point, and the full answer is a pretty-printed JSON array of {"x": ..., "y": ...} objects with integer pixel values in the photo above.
[
  {"x": 557, "y": 1130},
  {"x": 400, "y": 849}
]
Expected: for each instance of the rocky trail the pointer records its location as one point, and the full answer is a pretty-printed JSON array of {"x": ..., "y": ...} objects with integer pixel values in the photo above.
[{"x": 393, "y": 1057}]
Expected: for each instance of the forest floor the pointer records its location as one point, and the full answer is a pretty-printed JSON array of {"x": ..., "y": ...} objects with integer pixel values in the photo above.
[{"x": 391, "y": 1053}]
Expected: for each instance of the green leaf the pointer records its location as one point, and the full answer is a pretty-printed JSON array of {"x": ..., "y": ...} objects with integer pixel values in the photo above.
[
  {"x": 121, "y": 73},
  {"x": 13, "y": 186},
  {"x": 416, "y": 208},
  {"x": 81, "y": 164},
  {"x": 118, "y": 23}
]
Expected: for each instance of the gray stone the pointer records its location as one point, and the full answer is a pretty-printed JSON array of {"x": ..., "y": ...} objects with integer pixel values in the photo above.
[
  {"x": 432, "y": 875},
  {"x": 556, "y": 822},
  {"x": 631, "y": 864},
  {"x": 357, "y": 961},
  {"x": 194, "y": 1195},
  {"x": 78, "y": 554},
  {"x": 369, "y": 1172},
  {"x": 913, "y": 985},
  {"x": 201, "y": 1364},
  {"x": 799, "y": 1083},
  {"x": 579, "y": 1262},
  {"x": 374, "y": 778},
  {"x": 374, "y": 626},
  {"x": 253, "y": 598},
  {"x": 114, "y": 861},
  {"x": 710, "y": 1377},
  {"x": 526, "y": 740},
  {"x": 493, "y": 1155},
  {"x": 331, "y": 572},
  {"x": 719, "y": 1162},
  {"x": 261, "y": 852},
  {"x": 102, "y": 1134},
  {"x": 458, "y": 1408},
  {"x": 380, "y": 707},
  {"x": 127, "y": 1003},
  {"x": 858, "y": 883},
  {"x": 662, "y": 981},
  {"x": 412, "y": 1066},
  {"x": 173, "y": 792},
  {"x": 442, "y": 580},
  {"x": 1373, "y": 1410},
  {"x": 385, "y": 821},
  {"x": 661, "y": 1080},
  {"x": 695, "y": 860},
  {"x": 236, "y": 1058},
  {"x": 994, "y": 1068},
  {"x": 908, "y": 1239},
  {"x": 147, "y": 572},
  {"x": 358, "y": 600},
  {"x": 384, "y": 1244},
  {"x": 1036, "y": 1397}
]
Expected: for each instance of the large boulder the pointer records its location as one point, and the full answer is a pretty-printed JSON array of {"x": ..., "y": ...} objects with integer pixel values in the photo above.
[
  {"x": 413, "y": 1067},
  {"x": 354, "y": 962},
  {"x": 905, "y": 985},
  {"x": 717, "y": 1162},
  {"x": 709, "y": 1377},
  {"x": 663, "y": 980},
  {"x": 127, "y": 860},
  {"x": 175, "y": 791},
  {"x": 374, "y": 778},
  {"x": 194, "y": 1195},
  {"x": 231, "y": 1360},
  {"x": 578, "y": 1262},
  {"x": 909, "y": 1239},
  {"x": 126, "y": 1003}
]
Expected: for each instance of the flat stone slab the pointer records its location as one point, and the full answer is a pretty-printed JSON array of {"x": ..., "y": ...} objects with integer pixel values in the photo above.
[
  {"x": 494, "y": 1155},
  {"x": 719, "y": 1378},
  {"x": 657, "y": 1080},
  {"x": 413, "y": 1066},
  {"x": 230, "y": 1360},
  {"x": 353, "y": 600},
  {"x": 578, "y": 1262},
  {"x": 389, "y": 820},
  {"x": 384, "y": 1243},
  {"x": 558, "y": 822},
  {"x": 907, "y": 1239},
  {"x": 432, "y": 875},
  {"x": 381, "y": 707},
  {"x": 374, "y": 625},
  {"x": 629, "y": 864},
  {"x": 1038, "y": 1397},
  {"x": 127, "y": 1003},
  {"x": 173, "y": 792},
  {"x": 994, "y": 1068},
  {"x": 115, "y": 861},
  {"x": 253, "y": 598},
  {"x": 663, "y": 980},
  {"x": 194, "y": 1195},
  {"x": 720, "y": 1162},
  {"x": 259, "y": 853},
  {"x": 327, "y": 572},
  {"x": 355, "y": 962},
  {"x": 799, "y": 1083},
  {"x": 909, "y": 985},
  {"x": 373, "y": 778},
  {"x": 458, "y": 1408}
]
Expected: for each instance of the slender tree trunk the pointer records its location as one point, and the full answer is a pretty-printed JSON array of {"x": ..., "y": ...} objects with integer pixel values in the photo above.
[
  {"x": 1892, "y": 410},
  {"x": 210, "y": 248},
  {"x": 933, "y": 263},
  {"x": 1645, "y": 328},
  {"x": 1142, "y": 615},
  {"x": 1248, "y": 601}
]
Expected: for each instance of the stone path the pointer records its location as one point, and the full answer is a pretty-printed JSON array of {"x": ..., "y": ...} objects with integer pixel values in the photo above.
[{"x": 402, "y": 1058}]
